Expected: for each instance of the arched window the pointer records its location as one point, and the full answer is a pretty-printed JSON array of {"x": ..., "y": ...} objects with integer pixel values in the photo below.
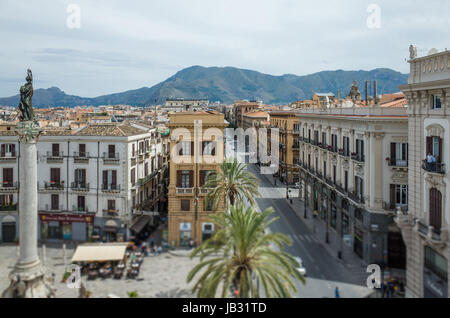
[{"x": 435, "y": 209}]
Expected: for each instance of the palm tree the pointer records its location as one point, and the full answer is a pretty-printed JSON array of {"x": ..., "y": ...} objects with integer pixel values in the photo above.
[
  {"x": 232, "y": 182},
  {"x": 240, "y": 254}
]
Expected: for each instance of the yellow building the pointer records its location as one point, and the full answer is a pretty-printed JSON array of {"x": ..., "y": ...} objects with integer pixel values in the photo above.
[
  {"x": 287, "y": 123},
  {"x": 191, "y": 160}
]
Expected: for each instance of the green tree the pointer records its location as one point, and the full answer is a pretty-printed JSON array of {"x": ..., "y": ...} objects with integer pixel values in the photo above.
[
  {"x": 232, "y": 182},
  {"x": 241, "y": 254}
]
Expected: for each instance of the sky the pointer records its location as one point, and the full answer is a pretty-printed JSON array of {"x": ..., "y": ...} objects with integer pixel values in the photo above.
[{"x": 92, "y": 48}]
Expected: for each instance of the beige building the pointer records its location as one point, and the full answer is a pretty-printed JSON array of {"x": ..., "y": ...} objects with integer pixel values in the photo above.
[
  {"x": 425, "y": 228},
  {"x": 189, "y": 210},
  {"x": 354, "y": 172},
  {"x": 288, "y": 124}
]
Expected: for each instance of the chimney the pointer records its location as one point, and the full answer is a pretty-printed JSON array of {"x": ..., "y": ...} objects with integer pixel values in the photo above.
[
  {"x": 375, "y": 92},
  {"x": 366, "y": 92}
]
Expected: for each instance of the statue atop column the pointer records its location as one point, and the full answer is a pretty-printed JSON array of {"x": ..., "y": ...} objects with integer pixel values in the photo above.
[
  {"x": 26, "y": 94},
  {"x": 354, "y": 93}
]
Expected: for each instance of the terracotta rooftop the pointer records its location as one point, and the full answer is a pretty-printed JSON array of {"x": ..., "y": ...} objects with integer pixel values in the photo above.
[{"x": 107, "y": 129}]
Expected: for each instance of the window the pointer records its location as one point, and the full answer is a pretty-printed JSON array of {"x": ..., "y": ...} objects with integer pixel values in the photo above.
[
  {"x": 399, "y": 154},
  {"x": 434, "y": 146},
  {"x": 185, "y": 205},
  {"x": 8, "y": 150},
  {"x": 55, "y": 150},
  {"x": 334, "y": 174},
  {"x": 55, "y": 202},
  {"x": 111, "y": 151},
  {"x": 208, "y": 204},
  {"x": 436, "y": 263},
  {"x": 80, "y": 176},
  {"x": 111, "y": 205},
  {"x": 324, "y": 138},
  {"x": 324, "y": 168},
  {"x": 6, "y": 199},
  {"x": 204, "y": 176},
  {"x": 133, "y": 176},
  {"x": 55, "y": 176},
  {"x": 8, "y": 177},
  {"x": 82, "y": 150},
  {"x": 81, "y": 203},
  {"x": 209, "y": 148},
  {"x": 346, "y": 146},
  {"x": 346, "y": 180},
  {"x": 360, "y": 150},
  {"x": 207, "y": 231},
  {"x": 333, "y": 216},
  {"x": 146, "y": 169},
  {"x": 296, "y": 127},
  {"x": 435, "y": 209},
  {"x": 436, "y": 102},
  {"x": 185, "y": 179},
  {"x": 185, "y": 148},
  {"x": 334, "y": 145},
  {"x": 133, "y": 150},
  {"x": 110, "y": 179},
  {"x": 359, "y": 187}
]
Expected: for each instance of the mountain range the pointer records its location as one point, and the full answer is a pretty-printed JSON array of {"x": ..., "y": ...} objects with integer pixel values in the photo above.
[{"x": 227, "y": 84}]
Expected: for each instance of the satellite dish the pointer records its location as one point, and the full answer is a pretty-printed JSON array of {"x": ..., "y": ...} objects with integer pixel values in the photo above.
[{"x": 433, "y": 51}]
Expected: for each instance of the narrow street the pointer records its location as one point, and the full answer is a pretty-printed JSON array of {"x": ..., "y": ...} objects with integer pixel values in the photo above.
[{"x": 324, "y": 270}]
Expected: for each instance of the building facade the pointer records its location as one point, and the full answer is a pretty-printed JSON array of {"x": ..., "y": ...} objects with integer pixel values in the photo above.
[
  {"x": 354, "y": 174},
  {"x": 289, "y": 130},
  {"x": 425, "y": 228},
  {"x": 89, "y": 181},
  {"x": 189, "y": 209}
]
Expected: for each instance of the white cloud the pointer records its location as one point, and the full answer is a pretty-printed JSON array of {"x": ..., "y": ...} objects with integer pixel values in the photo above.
[{"x": 129, "y": 44}]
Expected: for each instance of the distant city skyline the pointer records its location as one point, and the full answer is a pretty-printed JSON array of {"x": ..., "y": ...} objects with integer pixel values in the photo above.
[{"x": 121, "y": 46}]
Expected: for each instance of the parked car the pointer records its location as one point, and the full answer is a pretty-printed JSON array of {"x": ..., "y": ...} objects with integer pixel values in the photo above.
[{"x": 301, "y": 269}]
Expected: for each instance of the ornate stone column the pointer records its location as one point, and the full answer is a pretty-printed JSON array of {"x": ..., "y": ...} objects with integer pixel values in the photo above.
[{"x": 27, "y": 277}]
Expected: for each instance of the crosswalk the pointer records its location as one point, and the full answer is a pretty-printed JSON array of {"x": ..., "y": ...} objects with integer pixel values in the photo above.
[{"x": 307, "y": 238}]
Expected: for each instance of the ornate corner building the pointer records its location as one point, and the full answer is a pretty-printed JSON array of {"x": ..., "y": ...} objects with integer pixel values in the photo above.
[{"x": 425, "y": 228}]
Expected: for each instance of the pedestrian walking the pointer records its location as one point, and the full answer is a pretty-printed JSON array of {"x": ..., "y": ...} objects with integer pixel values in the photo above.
[
  {"x": 336, "y": 293},
  {"x": 159, "y": 250}
]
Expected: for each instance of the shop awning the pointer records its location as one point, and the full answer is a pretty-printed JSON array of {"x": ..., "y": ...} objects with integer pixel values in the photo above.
[
  {"x": 110, "y": 226},
  {"x": 99, "y": 252},
  {"x": 140, "y": 223}
]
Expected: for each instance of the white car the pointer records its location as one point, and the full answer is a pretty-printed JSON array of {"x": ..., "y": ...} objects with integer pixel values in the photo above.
[{"x": 301, "y": 269}]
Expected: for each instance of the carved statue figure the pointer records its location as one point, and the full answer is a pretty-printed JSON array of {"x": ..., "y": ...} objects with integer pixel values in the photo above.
[
  {"x": 412, "y": 52},
  {"x": 354, "y": 93},
  {"x": 26, "y": 94}
]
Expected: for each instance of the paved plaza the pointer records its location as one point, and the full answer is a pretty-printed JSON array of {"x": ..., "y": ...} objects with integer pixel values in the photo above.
[{"x": 160, "y": 276}]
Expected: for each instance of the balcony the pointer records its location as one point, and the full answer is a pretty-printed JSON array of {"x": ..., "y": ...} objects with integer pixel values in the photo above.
[
  {"x": 296, "y": 132},
  {"x": 79, "y": 186},
  {"x": 314, "y": 142},
  {"x": 433, "y": 167},
  {"x": 8, "y": 157},
  {"x": 332, "y": 148},
  {"x": 111, "y": 212},
  {"x": 185, "y": 191},
  {"x": 9, "y": 186},
  {"x": 81, "y": 157},
  {"x": 358, "y": 198},
  {"x": 80, "y": 209},
  {"x": 397, "y": 163},
  {"x": 55, "y": 156},
  {"x": 205, "y": 190},
  {"x": 111, "y": 158},
  {"x": 111, "y": 188},
  {"x": 358, "y": 157},
  {"x": 394, "y": 207},
  {"x": 344, "y": 153},
  {"x": 296, "y": 147},
  {"x": 54, "y": 185},
  {"x": 431, "y": 234},
  {"x": 9, "y": 207}
]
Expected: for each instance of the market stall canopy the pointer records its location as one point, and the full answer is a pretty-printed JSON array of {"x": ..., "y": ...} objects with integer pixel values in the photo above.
[
  {"x": 100, "y": 252},
  {"x": 140, "y": 223}
]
